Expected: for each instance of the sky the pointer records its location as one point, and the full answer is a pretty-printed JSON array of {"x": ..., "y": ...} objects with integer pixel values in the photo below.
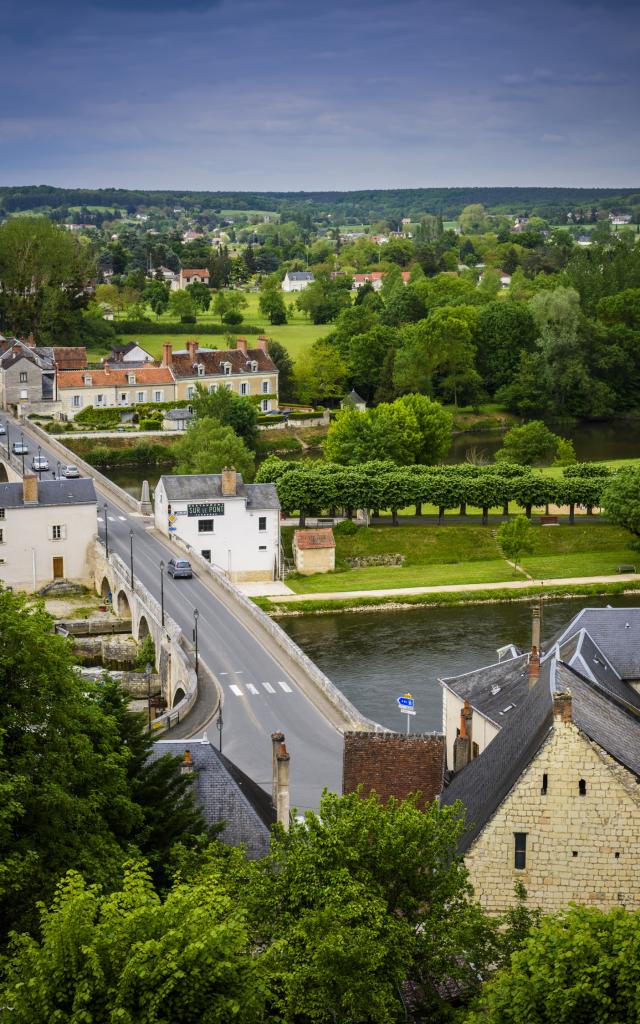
[{"x": 337, "y": 94}]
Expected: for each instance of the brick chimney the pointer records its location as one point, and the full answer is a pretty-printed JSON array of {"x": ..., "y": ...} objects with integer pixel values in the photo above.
[
  {"x": 241, "y": 344},
  {"x": 282, "y": 805},
  {"x": 262, "y": 343},
  {"x": 187, "y": 764},
  {"x": 30, "y": 342},
  {"x": 167, "y": 353},
  {"x": 463, "y": 744},
  {"x": 229, "y": 482},
  {"x": 192, "y": 349},
  {"x": 533, "y": 673},
  {"x": 30, "y": 489},
  {"x": 562, "y": 705},
  {"x": 277, "y": 738}
]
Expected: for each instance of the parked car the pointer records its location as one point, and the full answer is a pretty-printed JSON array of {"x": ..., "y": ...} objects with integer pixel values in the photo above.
[
  {"x": 70, "y": 472},
  {"x": 179, "y": 568},
  {"x": 3, "y": 429},
  {"x": 39, "y": 464},
  {"x": 20, "y": 448}
]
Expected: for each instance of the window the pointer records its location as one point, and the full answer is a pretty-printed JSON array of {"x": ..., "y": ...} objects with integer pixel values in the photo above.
[
  {"x": 200, "y": 370},
  {"x": 265, "y": 403},
  {"x": 253, "y": 365},
  {"x": 545, "y": 779},
  {"x": 77, "y": 401},
  {"x": 56, "y": 532},
  {"x": 140, "y": 396},
  {"x": 263, "y": 547},
  {"x": 265, "y": 387},
  {"x": 520, "y": 850},
  {"x": 123, "y": 398},
  {"x": 205, "y": 525},
  {"x": 262, "y": 523},
  {"x": 212, "y": 388},
  {"x": 244, "y": 388},
  {"x": 229, "y": 387},
  {"x": 582, "y": 788},
  {"x": 206, "y": 554},
  {"x": 157, "y": 396},
  {"x": 88, "y": 381},
  {"x": 190, "y": 391},
  {"x": 1, "y": 513},
  {"x": 23, "y": 376},
  {"x": 227, "y": 368},
  {"x": 131, "y": 378},
  {"x": 1, "y": 536},
  {"x": 100, "y": 400}
]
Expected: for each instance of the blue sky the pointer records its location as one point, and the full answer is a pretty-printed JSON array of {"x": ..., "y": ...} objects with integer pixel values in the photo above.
[{"x": 276, "y": 94}]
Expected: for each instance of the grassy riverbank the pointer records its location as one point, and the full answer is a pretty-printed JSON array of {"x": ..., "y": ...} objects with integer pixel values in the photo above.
[{"x": 458, "y": 554}]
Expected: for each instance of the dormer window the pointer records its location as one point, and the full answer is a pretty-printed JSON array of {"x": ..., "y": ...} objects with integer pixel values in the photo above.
[
  {"x": 200, "y": 370},
  {"x": 131, "y": 378},
  {"x": 87, "y": 381},
  {"x": 226, "y": 368},
  {"x": 253, "y": 366}
]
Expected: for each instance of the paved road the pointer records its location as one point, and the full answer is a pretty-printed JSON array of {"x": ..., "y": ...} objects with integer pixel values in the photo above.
[{"x": 259, "y": 697}]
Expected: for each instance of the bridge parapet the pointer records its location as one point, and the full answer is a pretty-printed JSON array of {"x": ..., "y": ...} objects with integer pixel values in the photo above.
[{"x": 173, "y": 662}]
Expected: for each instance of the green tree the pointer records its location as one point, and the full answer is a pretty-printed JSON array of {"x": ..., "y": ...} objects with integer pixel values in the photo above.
[
  {"x": 284, "y": 363},
  {"x": 200, "y": 294},
  {"x": 515, "y": 539},
  {"x": 323, "y": 300},
  {"x": 582, "y": 965},
  {"x": 271, "y": 303},
  {"x": 505, "y": 329},
  {"x": 411, "y": 429},
  {"x": 156, "y": 294},
  {"x": 621, "y": 498},
  {"x": 132, "y": 957},
  {"x": 230, "y": 410},
  {"x": 208, "y": 447},
  {"x": 182, "y": 305},
  {"x": 474, "y": 219},
  {"x": 320, "y": 373},
  {"x": 532, "y": 443}
]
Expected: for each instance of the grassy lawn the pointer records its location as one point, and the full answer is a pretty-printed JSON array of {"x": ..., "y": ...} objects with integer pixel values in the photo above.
[{"x": 464, "y": 554}]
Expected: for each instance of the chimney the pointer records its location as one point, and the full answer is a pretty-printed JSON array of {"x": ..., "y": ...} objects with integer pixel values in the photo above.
[
  {"x": 533, "y": 673},
  {"x": 30, "y": 489},
  {"x": 187, "y": 764},
  {"x": 229, "y": 482},
  {"x": 535, "y": 626},
  {"x": 262, "y": 343},
  {"x": 562, "y": 705},
  {"x": 30, "y": 342},
  {"x": 241, "y": 344},
  {"x": 277, "y": 738},
  {"x": 463, "y": 745},
  {"x": 167, "y": 353},
  {"x": 192, "y": 348},
  {"x": 282, "y": 806}
]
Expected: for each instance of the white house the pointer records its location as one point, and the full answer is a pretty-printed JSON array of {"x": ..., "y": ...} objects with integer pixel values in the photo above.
[
  {"x": 235, "y": 526},
  {"x": 47, "y": 532},
  {"x": 296, "y": 282}
]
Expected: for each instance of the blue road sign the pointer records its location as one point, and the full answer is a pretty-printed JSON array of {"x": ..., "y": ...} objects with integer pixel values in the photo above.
[{"x": 406, "y": 702}]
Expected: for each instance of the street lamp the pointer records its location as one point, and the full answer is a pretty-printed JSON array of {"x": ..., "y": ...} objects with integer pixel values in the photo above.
[
  {"x": 196, "y": 614},
  {"x": 131, "y": 556},
  {"x": 162, "y": 592},
  {"x": 8, "y": 444},
  {"x": 39, "y": 456},
  {"x": 22, "y": 447},
  {"x": 148, "y": 675},
  {"x": 106, "y": 531},
  {"x": 58, "y": 470},
  {"x": 219, "y": 724}
]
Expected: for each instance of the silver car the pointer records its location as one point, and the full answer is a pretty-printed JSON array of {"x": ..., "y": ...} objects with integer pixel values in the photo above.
[
  {"x": 179, "y": 568},
  {"x": 39, "y": 464},
  {"x": 70, "y": 472}
]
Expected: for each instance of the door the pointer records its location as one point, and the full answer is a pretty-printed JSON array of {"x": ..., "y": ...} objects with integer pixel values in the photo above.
[{"x": 58, "y": 567}]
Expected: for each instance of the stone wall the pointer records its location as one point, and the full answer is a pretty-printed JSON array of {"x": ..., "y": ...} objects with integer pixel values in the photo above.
[
  {"x": 581, "y": 848},
  {"x": 393, "y": 764}
]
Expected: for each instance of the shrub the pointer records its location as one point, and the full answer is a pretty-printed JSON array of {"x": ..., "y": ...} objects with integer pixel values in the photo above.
[
  {"x": 144, "y": 327},
  {"x": 232, "y": 317},
  {"x": 346, "y": 528},
  {"x": 152, "y": 423}
]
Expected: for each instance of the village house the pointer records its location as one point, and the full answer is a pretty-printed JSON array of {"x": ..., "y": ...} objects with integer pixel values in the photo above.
[
  {"x": 295, "y": 281},
  {"x": 314, "y": 551},
  {"x": 233, "y": 525},
  {"x": 620, "y": 219},
  {"x": 552, "y": 797},
  {"x": 375, "y": 279},
  {"x": 47, "y": 532},
  {"x": 132, "y": 354},
  {"x": 353, "y": 401},
  {"x": 249, "y": 372},
  {"x": 113, "y": 389},
  {"x": 28, "y": 371},
  {"x": 189, "y": 276}
]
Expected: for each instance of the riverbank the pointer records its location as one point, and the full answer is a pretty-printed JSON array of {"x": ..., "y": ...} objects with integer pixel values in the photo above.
[{"x": 438, "y": 597}]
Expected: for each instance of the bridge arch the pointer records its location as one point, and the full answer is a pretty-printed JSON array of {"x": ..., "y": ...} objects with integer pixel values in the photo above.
[
  {"x": 122, "y": 605},
  {"x": 105, "y": 588},
  {"x": 178, "y": 696},
  {"x": 3, "y": 473},
  {"x": 143, "y": 628}
]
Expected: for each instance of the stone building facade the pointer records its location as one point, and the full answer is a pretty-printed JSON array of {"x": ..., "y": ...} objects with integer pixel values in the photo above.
[{"x": 314, "y": 551}]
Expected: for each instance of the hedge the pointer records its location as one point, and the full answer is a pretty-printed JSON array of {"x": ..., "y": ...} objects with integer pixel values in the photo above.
[{"x": 149, "y": 327}]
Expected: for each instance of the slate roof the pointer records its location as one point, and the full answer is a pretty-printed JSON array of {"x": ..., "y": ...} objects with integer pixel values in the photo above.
[
  {"x": 178, "y": 414},
  {"x": 51, "y": 492},
  {"x": 493, "y": 690},
  {"x": 226, "y": 794},
  {"x": 583, "y": 655},
  {"x": 299, "y": 276},
  {"x": 616, "y": 631},
  {"x": 208, "y": 487},
  {"x": 353, "y": 398},
  {"x": 212, "y": 360}
]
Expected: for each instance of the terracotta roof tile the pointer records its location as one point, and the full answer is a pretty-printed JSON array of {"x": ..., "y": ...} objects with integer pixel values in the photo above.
[
  {"x": 307, "y": 539},
  {"x": 114, "y": 378},
  {"x": 183, "y": 365}
]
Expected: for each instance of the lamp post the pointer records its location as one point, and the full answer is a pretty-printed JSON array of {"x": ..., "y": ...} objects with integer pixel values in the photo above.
[
  {"x": 22, "y": 447},
  {"x": 148, "y": 674},
  {"x": 106, "y": 531},
  {"x": 39, "y": 457},
  {"x": 8, "y": 444},
  {"x": 162, "y": 593},
  {"x": 58, "y": 470},
  {"x": 131, "y": 556},
  {"x": 196, "y": 614},
  {"x": 219, "y": 724}
]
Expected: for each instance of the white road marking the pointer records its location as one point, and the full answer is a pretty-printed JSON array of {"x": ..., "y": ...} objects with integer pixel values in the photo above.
[
  {"x": 223, "y": 673},
  {"x": 285, "y": 686},
  {"x": 111, "y": 519},
  {"x": 268, "y": 687},
  {"x": 252, "y": 689},
  {"x": 236, "y": 690},
  {"x": 122, "y": 519},
  {"x": 237, "y": 671}
]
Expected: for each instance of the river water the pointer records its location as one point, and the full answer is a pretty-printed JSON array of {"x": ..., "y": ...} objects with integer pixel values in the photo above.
[{"x": 375, "y": 657}]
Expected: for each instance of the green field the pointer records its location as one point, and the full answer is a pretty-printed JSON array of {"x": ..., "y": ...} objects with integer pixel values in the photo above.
[{"x": 437, "y": 556}]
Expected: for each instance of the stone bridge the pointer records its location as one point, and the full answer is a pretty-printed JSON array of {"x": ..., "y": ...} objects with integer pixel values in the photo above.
[{"x": 174, "y": 659}]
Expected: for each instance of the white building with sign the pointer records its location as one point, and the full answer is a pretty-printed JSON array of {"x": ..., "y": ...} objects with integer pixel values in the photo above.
[{"x": 235, "y": 526}]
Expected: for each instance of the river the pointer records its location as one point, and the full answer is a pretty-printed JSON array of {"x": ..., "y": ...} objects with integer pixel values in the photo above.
[{"x": 375, "y": 657}]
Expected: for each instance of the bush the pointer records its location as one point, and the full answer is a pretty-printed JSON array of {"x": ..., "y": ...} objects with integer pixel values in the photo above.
[
  {"x": 347, "y": 528},
  {"x": 102, "y": 418},
  {"x": 587, "y": 469},
  {"x": 188, "y": 318},
  {"x": 232, "y": 317},
  {"x": 152, "y": 423},
  {"x": 147, "y": 327}
]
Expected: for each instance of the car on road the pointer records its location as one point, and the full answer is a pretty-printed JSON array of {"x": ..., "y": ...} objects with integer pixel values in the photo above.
[
  {"x": 39, "y": 464},
  {"x": 3, "y": 429},
  {"x": 20, "y": 448},
  {"x": 70, "y": 472},
  {"x": 179, "y": 568}
]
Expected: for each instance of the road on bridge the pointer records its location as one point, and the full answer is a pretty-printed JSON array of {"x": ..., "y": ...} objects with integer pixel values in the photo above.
[{"x": 259, "y": 697}]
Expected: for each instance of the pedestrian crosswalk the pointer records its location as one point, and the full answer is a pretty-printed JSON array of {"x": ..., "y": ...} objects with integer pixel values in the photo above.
[{"x": 257, "y": 689}]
